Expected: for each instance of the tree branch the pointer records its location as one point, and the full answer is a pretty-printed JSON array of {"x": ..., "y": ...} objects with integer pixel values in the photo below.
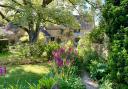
[
  {"x": 46, "y": 2},
  {"x": 93, "y": 4},
  {"x": 74, "y": 7},
  {"x": 17, "y": 2},
  {"x": 4, "y": 17},
  {"x": 6, "y": 6}
]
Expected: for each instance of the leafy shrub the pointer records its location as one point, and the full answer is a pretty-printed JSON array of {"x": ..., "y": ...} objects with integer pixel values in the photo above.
[
  {"x": 71, "y": 83},
  {"x": 46, "y": 82},
  {"x": 97, "y": 70},
  {"x": 93, "y": 62},
  {"x": 97, "y": 35},
  {"x": 95, "y": 65},
  {"x": 84, "y": 45},
  {"x": 37, "y": 49},
  {"x": 50, "y": 47},
  {"x": 107, "y": 84},
  {"x": 116, "y": 28},
  {"x": 51, "y": 81},
  {"x": 23, "y": 50}
]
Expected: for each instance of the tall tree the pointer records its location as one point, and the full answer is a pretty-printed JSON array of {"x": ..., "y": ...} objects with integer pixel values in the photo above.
[{"x": 31, "y": 14}]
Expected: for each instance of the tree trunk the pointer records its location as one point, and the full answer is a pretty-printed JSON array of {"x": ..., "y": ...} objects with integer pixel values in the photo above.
[{"x": 33, "y": 36}]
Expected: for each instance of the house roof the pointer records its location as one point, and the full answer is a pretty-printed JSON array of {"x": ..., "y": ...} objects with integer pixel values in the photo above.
[{"x": 46, "y": 33}]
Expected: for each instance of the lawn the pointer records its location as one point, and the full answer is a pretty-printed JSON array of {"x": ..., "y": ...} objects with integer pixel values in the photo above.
[{"x": 23, "y": 75}]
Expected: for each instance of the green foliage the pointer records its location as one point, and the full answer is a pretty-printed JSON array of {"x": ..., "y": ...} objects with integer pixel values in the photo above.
[
  {"x": 71, "y": 83},
  {"x": 30, "y": 15},
  {"x": 106, "y": 84},
  {"x": 51, "y": 80},
  {"x": 84, "y": 45},
  {"x": 22, "y": 50},
  {"x": 98, "y": 70},
  {"x": 93, "y": 62},
  {"x": 95, "y": 65},
  {"x": 35, "y": 12},
  {"x": 46, "y": 82},
  {"x": 115, "y": 16},
  {"x": 97, "y": 35},
  {"x": 37, "y": 50},
  {"x": 49, "y": 48}
]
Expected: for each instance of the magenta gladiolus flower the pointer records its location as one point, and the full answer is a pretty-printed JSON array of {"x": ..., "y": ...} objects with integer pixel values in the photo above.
[
  {"x": 62, "y": 50},
  {"x": 56, "y": 54},
  {"x": 62, "y": 53},
  {"x": 59, "y": 62}
]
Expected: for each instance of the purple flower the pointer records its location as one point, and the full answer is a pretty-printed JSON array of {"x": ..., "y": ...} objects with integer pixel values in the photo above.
[
  {"x": 2, "y": 70},
  {"x": 59, "y": 62},
  {"x": 62, "y": 50}
]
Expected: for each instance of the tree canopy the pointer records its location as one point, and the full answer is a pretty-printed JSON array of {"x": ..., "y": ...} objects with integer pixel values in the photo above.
[{"x": 31, "y": 14}]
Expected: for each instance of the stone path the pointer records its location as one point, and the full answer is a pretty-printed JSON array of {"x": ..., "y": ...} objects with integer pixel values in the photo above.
[{"x": 88, "y": 82}]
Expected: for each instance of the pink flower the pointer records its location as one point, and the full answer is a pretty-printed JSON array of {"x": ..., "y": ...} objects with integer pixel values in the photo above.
[{"x": 56, "y": 54}]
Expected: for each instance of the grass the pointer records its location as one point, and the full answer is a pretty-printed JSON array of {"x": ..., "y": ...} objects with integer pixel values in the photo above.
[{"x": 23, "y": 75}]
